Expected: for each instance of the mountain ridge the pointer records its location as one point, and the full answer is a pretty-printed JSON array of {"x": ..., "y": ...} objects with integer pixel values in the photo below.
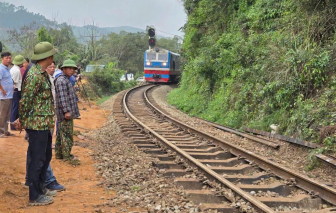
[{"x": 22, "y": 17}]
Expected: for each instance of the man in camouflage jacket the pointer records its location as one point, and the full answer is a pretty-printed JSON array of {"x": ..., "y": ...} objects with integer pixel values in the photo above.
[{"x": 37, "y": 118}]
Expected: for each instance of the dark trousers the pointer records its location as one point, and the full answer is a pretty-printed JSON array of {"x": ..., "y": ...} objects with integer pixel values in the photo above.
[
  {"x": 15, "y": 107},
  {"x": 40, "y": 156}
]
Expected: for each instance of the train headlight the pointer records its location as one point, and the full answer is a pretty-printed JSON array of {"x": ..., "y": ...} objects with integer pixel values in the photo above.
[
  {"x": 164, "y": 64},
  {"x": 148, "y": 63}
]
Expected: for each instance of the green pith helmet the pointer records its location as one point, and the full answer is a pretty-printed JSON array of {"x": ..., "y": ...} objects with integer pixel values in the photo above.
[
  {"x": 18, "y": 60},
  {"x": 69, "y": 63},
  {"x": 43, "y": 50}
]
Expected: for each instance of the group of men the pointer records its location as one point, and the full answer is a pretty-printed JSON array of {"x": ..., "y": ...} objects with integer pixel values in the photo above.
[{"x": 30, "y": 94}]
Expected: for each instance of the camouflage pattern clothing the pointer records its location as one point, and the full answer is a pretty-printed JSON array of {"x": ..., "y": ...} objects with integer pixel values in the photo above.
[
  {"x": 64, "y": 141},
  {"x": 37, "y": 109}
]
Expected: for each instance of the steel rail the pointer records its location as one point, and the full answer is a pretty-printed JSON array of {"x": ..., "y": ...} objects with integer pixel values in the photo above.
[
  {"x": 259, "y": 206},
  {"x": 234, "y": 131},
  {"x": 323, "y": 191},
  {"x": 330, "y": 161},
  {"x": 282, "y": 138}
]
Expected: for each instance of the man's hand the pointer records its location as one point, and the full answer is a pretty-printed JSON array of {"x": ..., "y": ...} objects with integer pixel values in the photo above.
[
  {"x": 67, "y": 116},
  {"x": 3, "y": 92},
  {"x": 17, "y": 125}
]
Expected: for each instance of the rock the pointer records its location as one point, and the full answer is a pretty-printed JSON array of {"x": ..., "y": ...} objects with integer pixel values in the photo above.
[
  {"x": 158, "y": 208},
  {"x": 253, "y": 193},
  {"x": 187, "y": 206},
  {"x": 81, "y": 137}
]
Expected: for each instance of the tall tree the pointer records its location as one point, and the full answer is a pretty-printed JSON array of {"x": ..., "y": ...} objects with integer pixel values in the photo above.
[
  {"x": 43, "y": 35},
  {"x": 24, "y": 39}
]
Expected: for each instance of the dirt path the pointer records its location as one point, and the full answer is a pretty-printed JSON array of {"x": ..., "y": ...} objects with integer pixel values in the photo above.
[{"x": 83, "y": 191}]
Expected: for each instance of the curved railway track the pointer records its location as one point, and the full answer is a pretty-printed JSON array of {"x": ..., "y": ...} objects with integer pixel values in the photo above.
[{"x": 245, "y": 181}]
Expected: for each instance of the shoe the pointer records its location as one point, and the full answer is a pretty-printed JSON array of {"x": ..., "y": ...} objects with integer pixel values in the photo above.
[
  {"x": 3, "y": 136},
  {"x": 55, "y": 186},
  {"x": 41, "y": 201},
  {"x": 58, "y": 157},
  {"x": 50, "y": 193},
  {"x": 9, "y": 134}
]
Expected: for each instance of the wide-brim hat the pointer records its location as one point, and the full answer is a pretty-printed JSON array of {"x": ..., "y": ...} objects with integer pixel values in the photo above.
[
  {"x": 43, "y": 50},
  {"x": 18, "y": 60},
  {"x": 69, "y": 63}
]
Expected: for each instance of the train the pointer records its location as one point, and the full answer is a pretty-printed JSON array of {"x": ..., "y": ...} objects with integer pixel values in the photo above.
[{"x": 161, "y": 66}]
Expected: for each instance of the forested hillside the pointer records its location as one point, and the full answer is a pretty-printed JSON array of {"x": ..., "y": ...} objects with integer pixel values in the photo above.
[
  {"x": 260, "y": 62},
  {"x": 119, "y": 50},
  {"x": 16, "y": 17}
]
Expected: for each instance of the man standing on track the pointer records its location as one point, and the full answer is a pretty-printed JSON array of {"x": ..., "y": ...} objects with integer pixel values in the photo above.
[
  {"x": 37, "y": 118},
  {"x": 66, "y": 111},
  {"x": 17, "y": 79},
  {"x": 6, "y": 93}
]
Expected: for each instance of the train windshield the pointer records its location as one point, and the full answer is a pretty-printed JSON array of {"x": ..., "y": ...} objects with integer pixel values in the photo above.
[
  {"x": 151, "y": 56},
  {"x": 163, "y": 57}
]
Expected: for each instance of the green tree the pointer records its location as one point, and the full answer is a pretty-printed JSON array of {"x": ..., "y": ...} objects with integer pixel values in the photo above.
[
  {"x": 43, "y": 35},
  {"x": 66, "y": 43},
  {"x": 24, "y": 39},
  {"x": 258, "y": 62}
]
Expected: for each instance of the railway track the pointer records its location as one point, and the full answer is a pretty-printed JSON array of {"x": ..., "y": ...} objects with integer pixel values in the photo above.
[{"x": 213, "y": 172}]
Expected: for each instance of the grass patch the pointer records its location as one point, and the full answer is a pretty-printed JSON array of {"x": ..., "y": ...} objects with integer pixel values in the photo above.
[{"x": 103, "y": 99}]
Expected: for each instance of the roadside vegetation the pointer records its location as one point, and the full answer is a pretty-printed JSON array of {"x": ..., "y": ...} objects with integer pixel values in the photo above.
[
  {"x": 119, "y": 52},
  {"x": 260, "y": 62}
]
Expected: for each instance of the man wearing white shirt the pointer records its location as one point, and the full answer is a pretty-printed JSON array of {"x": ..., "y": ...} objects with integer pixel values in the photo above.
[{"x": 17, "y": 79}]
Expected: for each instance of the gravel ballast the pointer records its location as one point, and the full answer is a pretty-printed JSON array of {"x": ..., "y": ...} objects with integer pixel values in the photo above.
[
  {"x": 289, "y": 155},
  {"x": 139, "y": 186}
]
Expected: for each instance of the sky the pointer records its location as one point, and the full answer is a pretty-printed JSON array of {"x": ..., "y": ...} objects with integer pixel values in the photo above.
[{"x": 165, "y": 15}]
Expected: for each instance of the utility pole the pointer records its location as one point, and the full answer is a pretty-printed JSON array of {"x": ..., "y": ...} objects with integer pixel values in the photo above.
[{"x": 91, "y": 32}]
